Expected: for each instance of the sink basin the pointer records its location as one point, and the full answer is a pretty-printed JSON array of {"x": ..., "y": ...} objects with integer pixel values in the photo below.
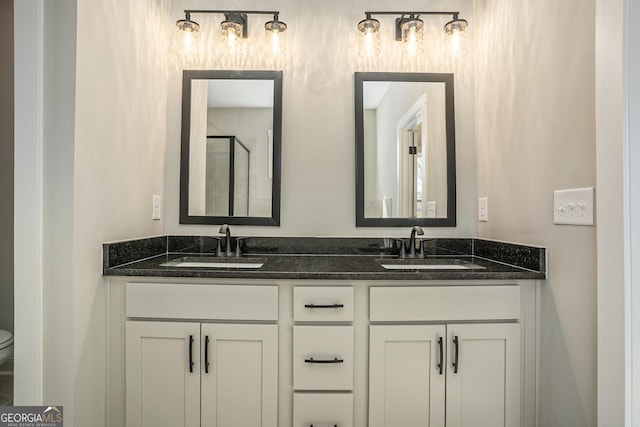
[
  {"x": 215, "y": 262},
  {"x": 429, "y": 264}
]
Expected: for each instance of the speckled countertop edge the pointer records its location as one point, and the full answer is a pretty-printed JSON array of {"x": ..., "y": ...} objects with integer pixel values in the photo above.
[{"x": 325, "y": 259}]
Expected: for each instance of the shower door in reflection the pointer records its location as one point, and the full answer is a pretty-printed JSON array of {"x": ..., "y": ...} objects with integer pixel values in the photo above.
[{"x": 227, "y": 177}]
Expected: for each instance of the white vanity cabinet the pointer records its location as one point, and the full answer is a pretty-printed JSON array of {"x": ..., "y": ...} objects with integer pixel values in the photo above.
[
  {"x": 296, "y": 353},
  {"x": 323, "y": 356},
  {"x": 445, "y": 356},
  {"x": 189, "y": 368},
  {"x": 160, "y": 387}
]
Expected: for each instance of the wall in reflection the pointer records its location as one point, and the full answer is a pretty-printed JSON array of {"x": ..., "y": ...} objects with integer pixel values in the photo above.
[{"x": 400, "y": 182}]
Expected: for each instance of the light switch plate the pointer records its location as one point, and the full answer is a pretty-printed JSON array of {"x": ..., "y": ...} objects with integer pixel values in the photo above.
[
  {"x": 483, "y": 209},
  {"x": 573, "y": 207}
]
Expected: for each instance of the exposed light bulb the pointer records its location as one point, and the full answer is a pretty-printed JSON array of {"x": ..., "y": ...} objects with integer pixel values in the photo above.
[
  {"x": 232, "y": 38},
  {"x": 455, "y": 45},
  {"x": 456, "y": 33},
  {"x": 369, "y": 37},
  {"x": 412, "y": 37},
  {"x": 412, "y": 43},
  {"x": 275, "y": 38},
  {"x": 369, "y": 40},
  {"x": 186, "y": 42}
]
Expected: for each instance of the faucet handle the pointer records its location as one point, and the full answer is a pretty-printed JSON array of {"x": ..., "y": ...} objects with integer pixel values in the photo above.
[
  {"x": 403, "y": 247},
  {"x": 239, "y": 245},
  {"x": 421, "y": 250},
  {"x": 219, "y": 247}
]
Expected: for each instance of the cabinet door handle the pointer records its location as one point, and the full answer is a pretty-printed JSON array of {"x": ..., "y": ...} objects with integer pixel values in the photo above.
[
  {"x": 324, "y": 306},
  {"x": 456, "y": 352},
  {"x": 191, "y": 353},
  {"x": 440, "y": 361},
  {"x": 334, "y": 360},
  {"x": 206, "y": 354}
]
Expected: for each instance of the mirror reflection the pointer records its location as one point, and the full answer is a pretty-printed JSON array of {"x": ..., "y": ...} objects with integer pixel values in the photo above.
[
  {"x": 230, "y": 145},
  {"x": 405, "y": 149}
]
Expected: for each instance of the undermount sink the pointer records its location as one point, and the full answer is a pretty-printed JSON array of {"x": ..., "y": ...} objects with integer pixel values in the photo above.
[
  {"x": 215, "y": 262},
  {"x": 429, "y": 264}
]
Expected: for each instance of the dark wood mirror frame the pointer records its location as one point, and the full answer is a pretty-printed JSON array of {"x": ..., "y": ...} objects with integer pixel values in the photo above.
[
  {"x": 188, "y": 76},
  {"x": 447, "y": 79}
]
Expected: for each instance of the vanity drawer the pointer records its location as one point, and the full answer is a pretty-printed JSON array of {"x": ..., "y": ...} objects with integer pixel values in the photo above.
[
  {"x": 322, "y": 410},
  {"x": 323, "y": 304},
  {"x": 202, "y": 301},
  {"x": 323, "y": 357},
  {"x": 444, "y": 303}
]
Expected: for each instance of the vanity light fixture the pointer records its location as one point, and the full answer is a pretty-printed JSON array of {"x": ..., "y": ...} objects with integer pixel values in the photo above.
[
  {"x": 456, "y": 32},
  {"x": 234, "y": 30},
  {"x": 369, "y": 36},
  {"x": 409, "y": 29},
  {"x": 275, "y": 37},
  {"x": 188, "y": 36}
]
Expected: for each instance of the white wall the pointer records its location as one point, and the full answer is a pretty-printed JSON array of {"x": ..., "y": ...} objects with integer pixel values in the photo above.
[
  {"x": 198, "y": 147},
  {"x": 28, "y": 133},
  {"x": 57, "y": 203},
  {"x": 534, "y": 113},
  {"x": 318, "y": 182},
  {"x": 613, "y": 232},
  {"x": 535, "y": 133},
  {"x": 6, "y": 165},
  {"x": 119, "y": 150}
]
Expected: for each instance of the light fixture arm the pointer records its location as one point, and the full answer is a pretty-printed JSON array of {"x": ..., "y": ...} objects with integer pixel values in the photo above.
[
  {"x": 239, "y": 16},
  {"x": 248, "y": 12},
  {"x": 412, "y": 15},
  {"x": 453, "y": 14}
]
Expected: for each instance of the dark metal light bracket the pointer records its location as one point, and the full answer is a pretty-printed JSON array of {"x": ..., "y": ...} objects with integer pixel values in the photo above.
[
  {"x": 239, "y": 16},
  {"x": 402, "y": 19}
]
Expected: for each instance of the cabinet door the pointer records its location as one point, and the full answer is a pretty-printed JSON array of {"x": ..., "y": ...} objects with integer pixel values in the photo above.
[
  {"x": 483, "y": 388},
  {"x": 239, "y": 375},
  {"x": 160, "y": 389},
  {"x": 406, "y": 386}
]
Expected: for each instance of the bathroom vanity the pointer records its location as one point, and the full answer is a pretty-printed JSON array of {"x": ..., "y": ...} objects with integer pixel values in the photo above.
[{"x": 321, "y": 333}]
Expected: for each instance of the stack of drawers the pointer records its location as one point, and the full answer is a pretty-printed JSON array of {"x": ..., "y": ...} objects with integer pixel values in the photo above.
[{"x": 323, "y": 356}]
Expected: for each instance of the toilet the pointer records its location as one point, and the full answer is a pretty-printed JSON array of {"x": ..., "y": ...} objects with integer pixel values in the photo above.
[{"x": 6, "y": 346}]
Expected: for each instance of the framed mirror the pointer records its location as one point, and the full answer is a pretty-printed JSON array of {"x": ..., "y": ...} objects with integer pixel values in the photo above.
[
  {"x": 405, "y": 150},
  {"x": 231, "y": 147}
]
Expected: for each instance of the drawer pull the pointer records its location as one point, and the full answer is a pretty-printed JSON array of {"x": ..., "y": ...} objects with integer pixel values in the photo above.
[
  {"x": 456, "y": 352},
  {"x": 206, "y": 354},
  {"x": 191, "y": 353},
  {"x": 334, "y": 360},
  {"x": 324, "y": 306},
  {"x": 440, "y": 361},
  {"x": 334, "y": 425}
]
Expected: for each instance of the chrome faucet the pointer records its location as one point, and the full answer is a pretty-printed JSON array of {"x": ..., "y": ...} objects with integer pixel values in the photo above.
[
  {"x": 412, "y": 240},
  {"x": 227, "y": 232}
]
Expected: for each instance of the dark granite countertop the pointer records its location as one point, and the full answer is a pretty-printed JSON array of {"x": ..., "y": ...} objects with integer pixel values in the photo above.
[{"x": 325, "y": 258}]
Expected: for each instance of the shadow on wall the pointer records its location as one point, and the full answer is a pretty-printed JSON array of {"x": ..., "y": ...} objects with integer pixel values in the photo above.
[
  {"x": 559, "y": 375},
  {"x": 6, "y": 165}
]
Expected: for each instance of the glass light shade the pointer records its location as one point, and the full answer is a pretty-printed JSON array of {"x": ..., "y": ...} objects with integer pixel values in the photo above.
[
  {"x": 232, "y": 38},
  {"x": 186, "y": 41},
  {"x": 412, "y": 37},
  {"x": 369, "y": 38},
  {"x": 275, "y": 38},
  {"x": 457, "y": 37}
]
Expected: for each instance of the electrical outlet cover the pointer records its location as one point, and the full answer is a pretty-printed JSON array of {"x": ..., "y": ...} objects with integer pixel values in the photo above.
[{"x": 483, "y": 209}]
